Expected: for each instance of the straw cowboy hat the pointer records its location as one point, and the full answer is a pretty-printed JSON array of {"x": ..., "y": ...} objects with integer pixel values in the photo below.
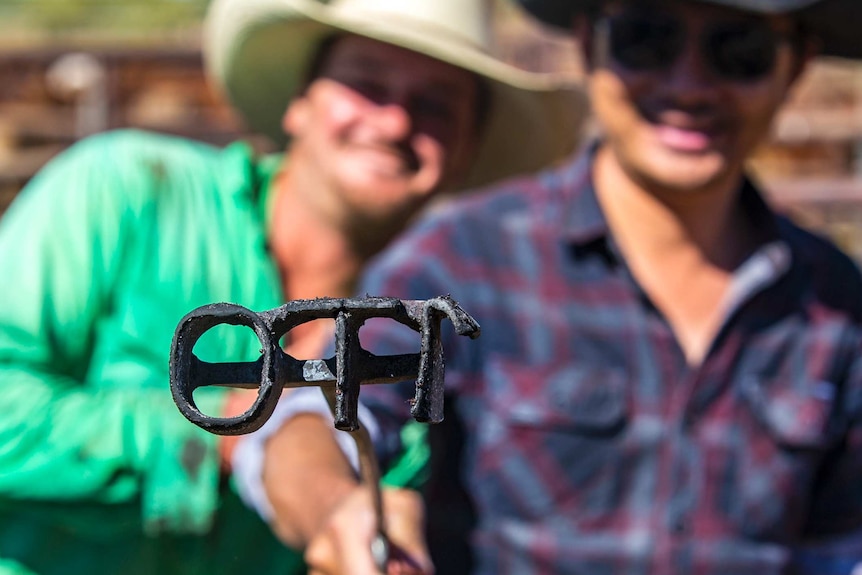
[
  {"x": 257, "y": 51},
  {"x": 835, "y": 22}
]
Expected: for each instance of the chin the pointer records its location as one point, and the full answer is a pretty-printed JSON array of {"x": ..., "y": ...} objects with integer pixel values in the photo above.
[
  {"x": 381, "y": 199},
  {"x": 376, "y": 189},
  {"x": 687, "y": 185},
  {"x": 688, "y": 172}
]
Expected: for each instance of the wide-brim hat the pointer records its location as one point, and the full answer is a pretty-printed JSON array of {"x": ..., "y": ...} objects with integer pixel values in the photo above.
[
  {"x": 835, "y": 22},
  {"x": 259, "y": 51}
]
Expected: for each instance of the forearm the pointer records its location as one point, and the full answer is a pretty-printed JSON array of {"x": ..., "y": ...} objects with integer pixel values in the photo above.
[
  {"x": 319, "y": 505},
  {"x": 306, "y": 476}
]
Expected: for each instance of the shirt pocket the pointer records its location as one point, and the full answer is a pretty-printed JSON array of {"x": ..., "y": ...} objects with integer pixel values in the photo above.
[
  {"x": 786, "y": 433},
  {"x": 578, "y": 400},
  {"x": 551, "y": 440}
]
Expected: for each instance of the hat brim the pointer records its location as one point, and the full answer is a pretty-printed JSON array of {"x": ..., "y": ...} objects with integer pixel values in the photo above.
[
  {"x": 834, "y": 22},
  {"x": 258, "y": 56}
]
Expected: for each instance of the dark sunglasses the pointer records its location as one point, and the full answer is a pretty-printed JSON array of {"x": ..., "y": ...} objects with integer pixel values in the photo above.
[{"x": 739, "y": 51}]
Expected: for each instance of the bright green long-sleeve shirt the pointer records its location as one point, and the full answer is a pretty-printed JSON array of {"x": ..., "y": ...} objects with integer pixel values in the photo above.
[{"x": 100, "y": 256}]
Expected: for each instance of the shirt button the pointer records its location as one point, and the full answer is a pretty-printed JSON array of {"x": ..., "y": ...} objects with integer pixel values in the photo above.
[{"x": 679, "y": 526}]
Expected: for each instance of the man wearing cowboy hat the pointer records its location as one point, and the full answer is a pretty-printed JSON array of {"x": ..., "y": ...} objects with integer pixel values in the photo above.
[
  {"x": 669, "y": 378},
  {"x": 384, "y": 104}
]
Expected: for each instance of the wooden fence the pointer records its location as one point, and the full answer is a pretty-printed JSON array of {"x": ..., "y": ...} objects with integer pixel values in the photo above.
[{"x": 51, "y": 95}]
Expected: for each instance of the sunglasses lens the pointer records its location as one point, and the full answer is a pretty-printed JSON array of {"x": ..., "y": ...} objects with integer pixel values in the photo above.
[
  {"x": 744, "y": 51},
  {"x": 738, "y": 51},
  {"x": 642, "y": 42}
]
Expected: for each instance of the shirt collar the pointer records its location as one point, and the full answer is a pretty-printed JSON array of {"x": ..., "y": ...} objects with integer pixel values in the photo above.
[
  {"x": 583, "y": 220},
  {"x": 761, "y": 215},
  {"x": 267, "y": 167}
]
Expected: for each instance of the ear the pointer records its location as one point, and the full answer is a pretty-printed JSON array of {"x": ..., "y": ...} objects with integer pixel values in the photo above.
[
  {"x": 296, "y": 116},
  {"x": 463, "y": 161}
]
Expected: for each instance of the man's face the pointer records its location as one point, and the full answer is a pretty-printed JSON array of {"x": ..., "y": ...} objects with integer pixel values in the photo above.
[
  {"x": 685, "y": 91},
  {"x": 384, "y": 126}
]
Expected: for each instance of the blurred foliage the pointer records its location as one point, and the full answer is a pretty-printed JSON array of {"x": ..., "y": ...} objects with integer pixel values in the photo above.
[{"x": 56, "y": 16}]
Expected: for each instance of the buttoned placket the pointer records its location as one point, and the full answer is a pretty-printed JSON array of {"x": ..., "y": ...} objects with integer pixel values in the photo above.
[
  {"x": 691, "y": 387},
  {"x": 700, "y": 385}
]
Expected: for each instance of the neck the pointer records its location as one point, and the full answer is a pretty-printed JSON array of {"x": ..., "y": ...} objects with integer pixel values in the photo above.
[
  {"x": 681, "y": 246},
  {"x": 316, "y": 254},
  {"x": 660, "y": 223}
]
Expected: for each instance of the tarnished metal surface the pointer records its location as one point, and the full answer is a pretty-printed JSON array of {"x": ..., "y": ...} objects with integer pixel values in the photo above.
[{"x": 351, "y": 367}]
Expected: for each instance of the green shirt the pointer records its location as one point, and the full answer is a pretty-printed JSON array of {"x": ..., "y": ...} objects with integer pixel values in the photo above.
[{"x": 100, "y": 256}]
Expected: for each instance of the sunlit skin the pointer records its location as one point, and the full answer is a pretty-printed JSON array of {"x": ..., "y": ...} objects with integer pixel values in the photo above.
[
  {"x": 684, "y": 128},
  {"x": 379, "y": 131}
]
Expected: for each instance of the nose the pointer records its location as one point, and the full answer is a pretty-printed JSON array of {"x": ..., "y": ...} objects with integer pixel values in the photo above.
[
  {"x": 691, "y": 70},
  {"x": 690, "y": 76},
  {"x": 689, "y": 82},
  {"x": 393, "y": 119}
]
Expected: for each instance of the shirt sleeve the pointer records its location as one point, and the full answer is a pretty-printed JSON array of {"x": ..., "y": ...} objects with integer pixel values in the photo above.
[
  {"x": 248, "y": 457},
  {"x": 63, "y": 436}
]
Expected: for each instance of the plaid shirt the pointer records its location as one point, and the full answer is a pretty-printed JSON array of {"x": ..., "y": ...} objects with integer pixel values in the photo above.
[{"x": 578, "y": 439}]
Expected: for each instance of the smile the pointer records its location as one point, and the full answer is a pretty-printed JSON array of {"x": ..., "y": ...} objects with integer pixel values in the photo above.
[
  {"x": 391, "y": 158},
  {"x": 684, "y": 139},
  {"x": 686, "y": 132}
]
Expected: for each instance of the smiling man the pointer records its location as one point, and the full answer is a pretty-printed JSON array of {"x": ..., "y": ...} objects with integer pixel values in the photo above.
[
  {"x": 669, "y": 378},
  {"x": 379, "y": 105}
]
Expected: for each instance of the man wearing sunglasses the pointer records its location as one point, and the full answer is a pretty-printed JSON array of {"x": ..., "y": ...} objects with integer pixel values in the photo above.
[{"x": 669, "y": 378}]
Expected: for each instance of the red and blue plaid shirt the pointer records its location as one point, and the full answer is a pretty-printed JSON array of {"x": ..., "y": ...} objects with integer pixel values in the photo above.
[{"x": 578, "y": 439}]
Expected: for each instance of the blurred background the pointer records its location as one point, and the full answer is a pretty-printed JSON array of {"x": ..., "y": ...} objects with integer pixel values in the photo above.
[{"x": 70, "y": 68}]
